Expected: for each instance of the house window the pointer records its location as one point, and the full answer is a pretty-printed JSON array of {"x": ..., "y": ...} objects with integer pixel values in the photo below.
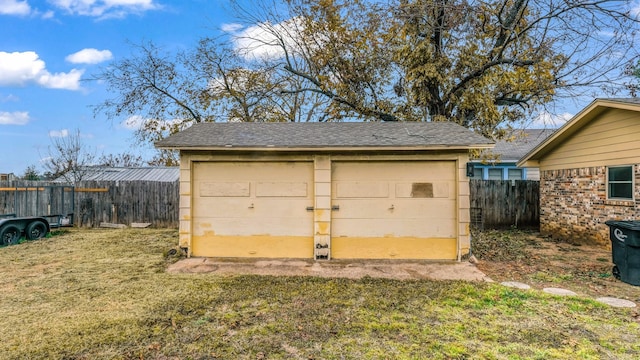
[
  {"x": 620, "y": 182},
  {"x": 515, "y": 174},
  {"x": 495, "y": 174},
  {"x": 477, "y": 173}
]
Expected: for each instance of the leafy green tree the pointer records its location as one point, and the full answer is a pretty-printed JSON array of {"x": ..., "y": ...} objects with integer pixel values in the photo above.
[
  {"x": 31, "y": 173},
  {"x": 485, "y": 64}
]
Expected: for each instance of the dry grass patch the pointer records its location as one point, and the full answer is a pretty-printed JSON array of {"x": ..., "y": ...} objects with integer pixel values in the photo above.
[{"x": 104, "y": 294}]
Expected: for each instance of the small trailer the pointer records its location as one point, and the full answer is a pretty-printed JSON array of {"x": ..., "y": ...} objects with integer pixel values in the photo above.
[{"x": 12, "y": 228}]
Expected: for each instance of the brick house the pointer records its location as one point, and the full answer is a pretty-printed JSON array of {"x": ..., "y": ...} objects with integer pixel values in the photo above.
[{"x": 590, "y": 172}]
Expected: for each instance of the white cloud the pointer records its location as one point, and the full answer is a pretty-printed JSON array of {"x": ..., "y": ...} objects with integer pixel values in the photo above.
[
  {"x": 133, "y": 122},
  {"x": 14, "y": 7},
  {"x": 634, "y": 9},
  {"x": 89, "y": 56},
  {"x": 67, "y": 81},
  {"x": 137, "y": 122},
  {"x": 14, "y": 118},
  {"x": 546, "y": 120},
  {"x": 22, "y": 68},
  {"x": 8, "y": 98},
  {"x": 262, "y": 41},
  {"x": 59, "y": 133},
  {"x": 231, "y": 27},
  {"x": 105, "y": 8}
]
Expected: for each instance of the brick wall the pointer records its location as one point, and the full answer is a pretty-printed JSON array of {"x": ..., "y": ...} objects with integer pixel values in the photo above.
[{"x": 574, "y": 205}]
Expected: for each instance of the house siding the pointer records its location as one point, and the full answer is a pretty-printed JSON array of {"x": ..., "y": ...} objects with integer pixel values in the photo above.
[
  {"x": 574, "y": 205},
  {"x": 611, "y": 139},
  {"x": 532, "y": 173}
]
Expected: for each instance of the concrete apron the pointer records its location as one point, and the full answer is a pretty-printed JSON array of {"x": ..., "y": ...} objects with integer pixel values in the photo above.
[{"x": 352, "y": 269}]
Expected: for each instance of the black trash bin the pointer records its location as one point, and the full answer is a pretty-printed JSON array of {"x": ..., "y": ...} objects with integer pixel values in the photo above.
[{"x": 625, "y": 250}]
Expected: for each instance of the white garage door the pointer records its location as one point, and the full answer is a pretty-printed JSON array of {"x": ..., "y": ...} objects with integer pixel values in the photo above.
[
  {"x": 394, "y": 210},
  {"x": 252, "y": 209}
]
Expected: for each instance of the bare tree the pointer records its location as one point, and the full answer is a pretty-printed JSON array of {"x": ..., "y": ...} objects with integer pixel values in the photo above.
[
  {"x": 68, "y": 157},
  {"x": 124, "y": 159}
]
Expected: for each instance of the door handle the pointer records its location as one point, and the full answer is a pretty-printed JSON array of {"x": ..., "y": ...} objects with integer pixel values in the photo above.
[{"x": 335, "y": 207}]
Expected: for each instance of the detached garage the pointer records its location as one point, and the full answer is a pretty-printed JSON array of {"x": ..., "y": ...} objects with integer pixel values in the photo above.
[{"x": 325, "y": 190}]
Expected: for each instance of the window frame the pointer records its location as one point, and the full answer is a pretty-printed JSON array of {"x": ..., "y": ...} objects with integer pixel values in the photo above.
[{"x": 631, "y": 182}]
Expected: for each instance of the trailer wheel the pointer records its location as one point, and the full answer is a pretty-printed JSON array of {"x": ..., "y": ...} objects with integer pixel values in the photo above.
[
  {"x": 10, "y": 234},
  {"x": 36, "y": 230}
]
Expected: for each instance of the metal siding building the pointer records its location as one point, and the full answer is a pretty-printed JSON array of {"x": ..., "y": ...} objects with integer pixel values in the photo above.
[{"x": 102, "y": 173}]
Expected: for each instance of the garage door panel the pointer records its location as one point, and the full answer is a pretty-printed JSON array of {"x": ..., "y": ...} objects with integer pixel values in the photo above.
[
  {"x": 252, "y": 209},
  {"x": 258, "y": 246},
  {"x": 223, "y": 189},
  {"x": 282, "y": 189},
  {"x": 394, "y": 171},
  {"x": 394, "y": 248},
  {"x": 395, "y": 209},
  {"x": 402, "y": 210},
  {"x": 393, "y": 228},
  {"x": 253, "y": 226},
  {"x": 233, "y": 171},
  {"x": 425, "y": 190},
  {"x": 361, "y": 189}
]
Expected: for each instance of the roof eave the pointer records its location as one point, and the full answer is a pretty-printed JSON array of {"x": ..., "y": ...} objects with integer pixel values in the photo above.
[{"x": 231, "y": 148}]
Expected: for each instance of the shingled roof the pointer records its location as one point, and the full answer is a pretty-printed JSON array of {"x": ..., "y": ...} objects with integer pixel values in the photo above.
[
  {"x": 521, "y": 144},
  {"x": 623, "y": 100},
  {"x": 298, "y": 136}
]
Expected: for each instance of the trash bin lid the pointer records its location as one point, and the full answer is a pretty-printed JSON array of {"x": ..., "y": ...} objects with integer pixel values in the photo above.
[{"x": 625, "y": 224}]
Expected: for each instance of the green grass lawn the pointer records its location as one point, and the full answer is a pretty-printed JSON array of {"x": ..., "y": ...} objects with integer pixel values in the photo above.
[{"x": 104, "y": 294}]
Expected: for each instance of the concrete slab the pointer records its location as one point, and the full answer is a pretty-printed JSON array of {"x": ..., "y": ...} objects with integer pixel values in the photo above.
[
  {"x": 615, "y": 302},
  {"x": 354, "y": 269},
  {"x": 560, "y": 292}
]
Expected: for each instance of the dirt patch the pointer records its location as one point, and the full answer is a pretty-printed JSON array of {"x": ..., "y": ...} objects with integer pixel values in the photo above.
[
  {"x": 334, "y": 268},
  {"x": 543, "y": 262}
]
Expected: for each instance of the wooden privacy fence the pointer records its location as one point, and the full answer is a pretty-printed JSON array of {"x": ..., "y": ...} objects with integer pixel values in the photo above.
[
  {"x": 505, "y": 203},
  {"x": 494, "y": 203},
  {"x": 95, "y": 202},
  {"x": 27, "y": 199}
]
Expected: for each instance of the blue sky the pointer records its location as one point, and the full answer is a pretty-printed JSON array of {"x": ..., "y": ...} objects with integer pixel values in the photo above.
[{"x": 48, "y": 48}]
